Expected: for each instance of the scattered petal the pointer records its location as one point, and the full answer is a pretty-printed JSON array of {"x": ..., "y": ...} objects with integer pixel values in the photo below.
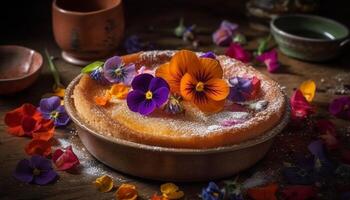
[
  {"x": 263, "y": 193},
  {"x": 237, "y": 52},
  {"x": 38, "y": 147},
  {"x": 65, "y": 158},
  {"x": 270, "y": 59},
  {"x": 223, "y": 35},
  {"x": 308, "y": 88},
  {"x": 104, "y": 183},
  {"x": 171, "y": 191},
  {"x": 126, "y": 192},
  {"x": 300, "y": 107},
  {"x": 340, "y": 107},
  {"x": 212, "y": 192}
]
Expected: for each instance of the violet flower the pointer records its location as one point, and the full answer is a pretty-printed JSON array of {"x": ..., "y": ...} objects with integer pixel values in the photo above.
[
  {"x": 115, "y": 71},
  {"x": 148, "y": 94},
  {"x": 270, "y": 59},
  {"x": 208, "y": 54},
  {"x": 212, "y": 192},
  {"x": 51, "y": 108},
  {"x": 37, "y": 170},
  {"x": 240, "y": 89},
  {"x": 340, "y": 107},
  {"x": 236, "y": 51},
  {"x": 223, "y": 35},
  {"x": 97, "y": 75}
]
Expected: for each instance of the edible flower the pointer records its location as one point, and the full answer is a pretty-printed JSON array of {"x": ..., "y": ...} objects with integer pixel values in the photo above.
[
  {"x": 98, "y": 76},
  {"x": 22, "y": 121},
  {"x": 308, "y": 88},
  {"x": 263, "y": 193},
  {"x": 126, "y": 192},
  {"x": 45, "y": 131},
  {"x": 189, "y": 33},
  {"x": 174, "y": 106},
  {"x": 65, "y": 158},
  {"x": 240, "y": 89},
  {"x": 300, "y": 107},
  {"x": 51, "y": 108},
  {"x": 119, "y": 91},
  {"x": 328, "y": 133},
  {"x": 223, "y": 35},
  {"x": 171, "y": 191},
  {"x": 212, "y": 192},
  {"x": 38, "y": 147},
  {"x": 236, "y": 51},
  {"x": 198, "y": 80},
  {"x": 59, "y": 91},
  {"x": 104, "y": 183},
  {"x": 208, "y": 54},
  {"x": 270, "y": 59},
  {"x": 115, "y": 71},
  {"x": 148, "y": 94},
  {"x": 37, "y": 170},
  {"x": 340, "y": 107},
  {"x": 299, "y": 192}
]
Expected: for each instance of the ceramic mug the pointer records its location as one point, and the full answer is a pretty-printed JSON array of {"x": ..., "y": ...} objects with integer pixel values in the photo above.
[{"x": 87, "y": 30}]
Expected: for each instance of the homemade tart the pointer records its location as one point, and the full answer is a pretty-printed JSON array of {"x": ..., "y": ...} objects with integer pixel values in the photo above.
[{"x": 223, "y": 122}]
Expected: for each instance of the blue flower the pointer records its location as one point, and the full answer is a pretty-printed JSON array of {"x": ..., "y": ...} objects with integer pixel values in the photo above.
[{"x": 212, "y": 192}]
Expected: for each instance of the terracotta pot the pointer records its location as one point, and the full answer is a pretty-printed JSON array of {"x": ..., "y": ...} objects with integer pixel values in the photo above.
[{"x": 87, "y": 30}]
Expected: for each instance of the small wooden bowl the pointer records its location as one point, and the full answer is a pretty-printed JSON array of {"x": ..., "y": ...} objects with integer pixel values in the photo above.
[
  {"x": 170, "y": 164},
  {"x": 19, "y": 68}
]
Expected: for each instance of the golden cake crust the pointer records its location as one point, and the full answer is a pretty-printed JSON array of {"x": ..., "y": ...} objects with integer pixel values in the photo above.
[{"x": 193, "y": 129}]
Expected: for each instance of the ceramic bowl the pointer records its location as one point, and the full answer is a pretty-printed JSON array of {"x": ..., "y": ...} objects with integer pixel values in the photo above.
[
  {"x": 309, "y": 37},
  {"x": 170, "y": 164},
  {"x": 87, "y": 30},
  {"x": 19, "y": 68}
]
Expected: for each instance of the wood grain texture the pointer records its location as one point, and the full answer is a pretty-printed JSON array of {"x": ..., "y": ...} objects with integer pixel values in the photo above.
[{"x": 158, "y": 29}]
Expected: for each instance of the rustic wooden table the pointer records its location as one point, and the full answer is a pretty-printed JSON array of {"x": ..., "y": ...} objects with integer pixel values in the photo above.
[{"x": 159, "y": 31}]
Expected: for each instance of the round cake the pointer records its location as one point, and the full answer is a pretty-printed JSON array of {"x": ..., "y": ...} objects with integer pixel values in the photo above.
[{"x": 178, "y": 99}]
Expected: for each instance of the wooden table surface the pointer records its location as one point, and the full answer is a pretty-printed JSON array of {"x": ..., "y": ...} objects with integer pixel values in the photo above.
[{"x": 159, "y": 31}]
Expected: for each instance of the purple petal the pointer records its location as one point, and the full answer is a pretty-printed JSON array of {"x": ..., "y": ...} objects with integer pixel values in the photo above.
[
  {"x": 45, "y": 177},
  {"x": 41, "y": 162},
  {"x": 157, "y": 83},
  {"x": 340, "y": 107},
  {"x": 134, "y": 99},
  {"x": 160, "y": 96},
  {"x": 63, "y": 118},
  {"x": 109, "y": 68},
  {"x": 316, "y": 148},
  {"x": 24, "y": 171},
  {"x": 141, "y": 82},
  {"x": 130, "y": 74},
  {"x": 229, "y": 25},
  {"x": 47, "y": 105},
  {"x": 146, "y": 107},
  {"x": 208, "y": 54}
]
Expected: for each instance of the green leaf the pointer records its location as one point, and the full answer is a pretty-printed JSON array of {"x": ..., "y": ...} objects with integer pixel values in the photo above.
[
  {"x": 92, "y": 66},
  {"x": 53, "y": 69},
  {"x": 263, "y": 44}
]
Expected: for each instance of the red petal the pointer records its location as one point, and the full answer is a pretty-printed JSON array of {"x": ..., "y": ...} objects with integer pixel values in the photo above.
[
  {"x": 65, "y": 159},
  {"x": 16, "y": 131},
  {"x": 38, "y": 147},
  {"x": 300, "y": 106},
  {"x": 30, "y": 110},
  {"x": 13, "y": 118},
  {"x": 29, "y": 125},
  {"x": 299, "y": 192},
  {"x": 264, "y": 193}
]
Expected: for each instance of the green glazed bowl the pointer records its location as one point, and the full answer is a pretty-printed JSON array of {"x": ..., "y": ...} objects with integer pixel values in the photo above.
[{"x": 309, "y": 37}]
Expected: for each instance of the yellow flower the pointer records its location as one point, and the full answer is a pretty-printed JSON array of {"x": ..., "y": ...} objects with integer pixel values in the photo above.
[
  {"x": 104, "y": 183},
  {"x": 126, "y": 192},
  {"x": 171, "y": 191},
  {"x": 59, "y": 91},
  {"x": 308, "y": 88}
]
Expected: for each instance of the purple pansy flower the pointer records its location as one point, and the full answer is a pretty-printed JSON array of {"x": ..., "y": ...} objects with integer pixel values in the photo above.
[
  {"x": 270, "y": 59},
  {"x": 340, "y": 107},
  {"x": 208, "y": 54},
  {"x": 148, "y": 94},
  {"x": 240, "y": 89},
  {"x": 223, "y": 35},
  {"x": 51, "y": 108},
  {"x": 115, "y": 71},
  {"x": 212, "y": 192},
  {"x": 37, "y": 170}
]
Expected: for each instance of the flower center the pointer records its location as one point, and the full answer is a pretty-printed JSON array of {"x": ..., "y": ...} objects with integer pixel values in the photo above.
[
  {"x": 200, "y": 86},
  {"x": 149, "y": 95},
  {"x": 36, "y": 172},
  {"x": 54, "y": 114},
  {"x": 118, "y": 71}
]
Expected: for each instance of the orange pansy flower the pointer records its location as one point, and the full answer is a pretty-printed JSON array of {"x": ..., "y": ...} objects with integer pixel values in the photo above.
[
  {"x": 38, "y": 147},
  {"x": 117, "y": 91},
  {"x": 126, "y": 192},
  {"x": 198, "y": 80}
]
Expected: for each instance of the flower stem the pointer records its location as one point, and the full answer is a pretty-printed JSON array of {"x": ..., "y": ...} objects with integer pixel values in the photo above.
[{"x": 54, "y": 71}]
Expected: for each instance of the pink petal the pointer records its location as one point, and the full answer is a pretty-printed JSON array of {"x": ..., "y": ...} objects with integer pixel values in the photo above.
[
  {"x": 270, "y": 59},
  {"x": 65, "y": 159},
  {"x": 300, "y": 106},
  {"x": 236, "y": 51}
]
